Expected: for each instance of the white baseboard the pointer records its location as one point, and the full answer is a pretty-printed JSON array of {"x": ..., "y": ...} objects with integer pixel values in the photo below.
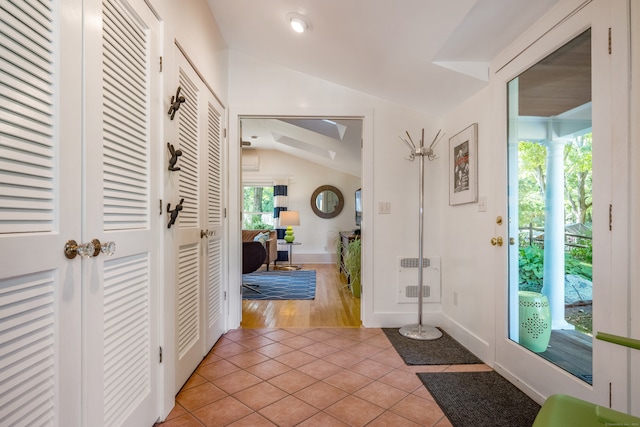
[
  {"x": 525, "y": 388},
  {"x": 482, "y": 348},
  {"x": 398, "y": 320}
]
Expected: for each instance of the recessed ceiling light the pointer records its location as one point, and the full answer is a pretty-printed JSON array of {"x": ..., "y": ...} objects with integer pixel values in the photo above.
[{"x": 299, "y": 23}]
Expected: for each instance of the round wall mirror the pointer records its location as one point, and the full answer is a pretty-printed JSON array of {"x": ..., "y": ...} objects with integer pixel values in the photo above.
[{"x": 327, "y": 201}]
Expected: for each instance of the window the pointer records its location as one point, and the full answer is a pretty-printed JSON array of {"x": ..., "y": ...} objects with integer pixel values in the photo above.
[{"x": 257, "y": 207}]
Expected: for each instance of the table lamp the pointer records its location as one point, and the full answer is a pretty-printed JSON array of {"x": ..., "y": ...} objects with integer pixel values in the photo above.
[{"x": 287, "y": 219}]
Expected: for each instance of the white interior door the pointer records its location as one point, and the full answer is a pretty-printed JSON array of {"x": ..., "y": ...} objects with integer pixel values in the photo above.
[
  {"x": 189, "y": 290},
  {"x": 40, "y": 159},
  {"x": 200, "y": 227},
  {"x": 121, "y": 145},
  {"x": 214, "y": 195}
]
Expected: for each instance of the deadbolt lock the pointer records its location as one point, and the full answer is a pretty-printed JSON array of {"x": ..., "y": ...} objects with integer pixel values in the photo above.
[{"x": 497, "y": 241}]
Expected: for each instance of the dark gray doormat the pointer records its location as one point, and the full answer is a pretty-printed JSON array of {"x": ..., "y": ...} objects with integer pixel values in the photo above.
[
  {"x": 479, "y": 399},
  {"x": 442, "y": 351}
]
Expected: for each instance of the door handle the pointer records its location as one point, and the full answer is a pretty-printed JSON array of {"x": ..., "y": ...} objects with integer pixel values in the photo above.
[
  {"x": 206, "y": 233},
  {"x": 88, "y": 250},
  {"x": 73, "y": 249},
  {"x": 497, "y": 241}
]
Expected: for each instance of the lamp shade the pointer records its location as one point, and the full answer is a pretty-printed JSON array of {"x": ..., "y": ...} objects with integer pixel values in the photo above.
[{"x": 289, "y": 218}]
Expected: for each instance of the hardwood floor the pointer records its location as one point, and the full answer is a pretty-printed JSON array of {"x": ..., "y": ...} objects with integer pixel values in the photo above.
[{"x": 333, "y": 306}]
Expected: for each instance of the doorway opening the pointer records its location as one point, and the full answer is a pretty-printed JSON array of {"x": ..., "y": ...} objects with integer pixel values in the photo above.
[{"x": 284, "y": 161}]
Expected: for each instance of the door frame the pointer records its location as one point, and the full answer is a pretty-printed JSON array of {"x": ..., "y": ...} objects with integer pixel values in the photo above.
[
  {"x": 533, "y": 374},
  {"x": 235, "y": 191}
]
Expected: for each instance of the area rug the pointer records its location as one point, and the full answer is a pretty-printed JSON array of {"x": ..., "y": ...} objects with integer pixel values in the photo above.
[
  {"x": 279, "y": 285},
  {"x": 480, "y": 399},
  {"x": 442, "y": 351}
]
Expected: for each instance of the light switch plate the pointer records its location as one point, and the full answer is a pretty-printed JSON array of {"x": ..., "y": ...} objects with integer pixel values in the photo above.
[{"x": 482, "y": 204}]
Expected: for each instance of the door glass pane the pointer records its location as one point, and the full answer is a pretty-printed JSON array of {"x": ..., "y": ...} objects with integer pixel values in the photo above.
[{"x": 549, "y": 155}]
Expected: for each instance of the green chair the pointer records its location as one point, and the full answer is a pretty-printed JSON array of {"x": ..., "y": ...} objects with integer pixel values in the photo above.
[{"x": 560, "y": 410}]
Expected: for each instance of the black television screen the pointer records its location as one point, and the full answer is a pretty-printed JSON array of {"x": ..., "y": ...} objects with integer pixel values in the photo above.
[{"x": 358, "y": 207}]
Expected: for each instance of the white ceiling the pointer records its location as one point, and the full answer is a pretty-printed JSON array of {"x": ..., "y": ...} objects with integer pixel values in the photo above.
[
  {"x": 429, "y": 55},
  {"x": 332, "y": 142}
]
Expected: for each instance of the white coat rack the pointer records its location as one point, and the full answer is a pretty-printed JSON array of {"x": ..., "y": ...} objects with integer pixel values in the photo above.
[{"x": 419, "y": 331}]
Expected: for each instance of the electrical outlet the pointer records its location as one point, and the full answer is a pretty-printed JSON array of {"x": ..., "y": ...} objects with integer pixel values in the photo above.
[{"x": 455, "y": 298}]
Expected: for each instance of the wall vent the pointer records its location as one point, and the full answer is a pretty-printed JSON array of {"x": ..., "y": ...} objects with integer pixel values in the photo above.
[{"x": 407, "y": 290}]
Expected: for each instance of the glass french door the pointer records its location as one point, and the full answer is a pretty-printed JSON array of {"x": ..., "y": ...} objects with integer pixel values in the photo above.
[{"x": 550, "y": 192}]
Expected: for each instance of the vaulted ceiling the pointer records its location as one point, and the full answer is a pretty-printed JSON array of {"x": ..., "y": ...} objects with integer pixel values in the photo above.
[{"x": 428, "y": 55}]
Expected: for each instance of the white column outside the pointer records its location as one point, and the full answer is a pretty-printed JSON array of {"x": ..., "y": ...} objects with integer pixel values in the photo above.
[{"x": 553, "y": 273}]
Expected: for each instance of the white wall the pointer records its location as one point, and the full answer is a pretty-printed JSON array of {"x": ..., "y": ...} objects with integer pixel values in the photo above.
[
  {"x": 317, "y": 235},
  {"x": 257, "y": 87},
  {"x": 191, "y": 24},
  {"x": 468, "y": 259}
]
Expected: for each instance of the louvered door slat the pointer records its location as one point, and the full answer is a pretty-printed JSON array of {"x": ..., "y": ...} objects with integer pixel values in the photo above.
[
  {"x": 36, "y": 15},
  {"x": 214, "y": 277},
  {"x": 22, "y": 152},
  {"x": 126, "y": 326},
  {"x": 133, "y": 34},
  {"x": 23, "y": 75},
  {"x": 126, "y": 124},
  {"x": 26, "y": 118},
  {"x": 27, "y": 168},
  {"x": 25, "y": 65},
  {"x": 125, "y": 64},
  {"x": 26, "y": 103},
  {"x": 119, "y": 135},
  {"x": 40, "y": 121},
  {"x": 40, "y": 10},
  {"x": 12, "y": 133},
  {"x": 12, "y": 29},
  {"x": 188, "y": 135},
  {"x": 27, "y": 337},
  {"x": 188, "y": 299},
  {"x": 214, "y": 205},
  {"x": 126, "y": 120}
]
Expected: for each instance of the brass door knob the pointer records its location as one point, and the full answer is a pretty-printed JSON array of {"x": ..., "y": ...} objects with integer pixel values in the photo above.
[
  {"x": 88, "y": 250},
  {"x": 497, "y": 241}
]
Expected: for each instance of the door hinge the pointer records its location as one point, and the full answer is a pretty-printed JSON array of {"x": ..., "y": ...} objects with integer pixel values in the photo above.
[
  {"x": 224, "y": 132},
  {"x": 160, "y": 207},
  {"x": 610, "y": 217},
  {"x": 161, "y": 64},
  {"x": 609, "y": 40},
  {"x": 224, "y": 212},
  {"x": 160, "y": 354},
  {"x": 609, "y": 395},
  {"x": 225, "y": 295}
]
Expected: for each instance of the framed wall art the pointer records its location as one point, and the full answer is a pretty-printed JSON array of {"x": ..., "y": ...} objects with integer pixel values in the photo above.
[{"x": 463, "y": 166}]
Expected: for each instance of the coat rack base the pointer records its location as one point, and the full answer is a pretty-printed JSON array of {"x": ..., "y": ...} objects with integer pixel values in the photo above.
[{"x": 420, "y": 332}]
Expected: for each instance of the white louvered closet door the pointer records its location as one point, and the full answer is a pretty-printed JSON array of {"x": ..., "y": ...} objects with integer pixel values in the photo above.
[
  {"x": 200, "y": 229},
  {"x": 122, "y": 148},
  {"x": 189, "y": 289},
  {"x": 40, "y": 159},
  {"x": 214, "y": 274}
]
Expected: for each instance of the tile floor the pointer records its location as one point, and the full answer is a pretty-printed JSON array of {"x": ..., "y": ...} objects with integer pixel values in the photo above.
[{"x": 307, "y": 377}]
